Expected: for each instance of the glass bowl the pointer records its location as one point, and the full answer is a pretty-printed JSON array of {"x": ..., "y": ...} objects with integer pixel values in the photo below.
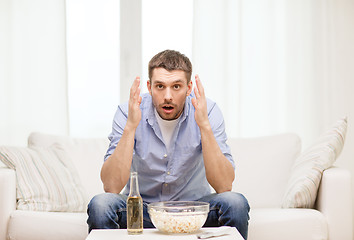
[{"x": 178, "y": 216}]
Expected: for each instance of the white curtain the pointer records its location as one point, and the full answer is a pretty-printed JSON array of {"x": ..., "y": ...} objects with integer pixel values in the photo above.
[
  {"x": 273, "y": 65},
  {"x": 33, "y": 93}
]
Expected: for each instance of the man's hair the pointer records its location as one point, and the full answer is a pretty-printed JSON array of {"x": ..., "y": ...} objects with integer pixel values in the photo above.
[{"x": 171, "y": 60}]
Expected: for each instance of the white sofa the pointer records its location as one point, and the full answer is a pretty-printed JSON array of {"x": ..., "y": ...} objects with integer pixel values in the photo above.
[{"x": 263, "y": 166}]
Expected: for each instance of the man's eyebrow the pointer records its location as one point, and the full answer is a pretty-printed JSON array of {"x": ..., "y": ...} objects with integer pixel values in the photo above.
[{"x": 162, "y": 82}]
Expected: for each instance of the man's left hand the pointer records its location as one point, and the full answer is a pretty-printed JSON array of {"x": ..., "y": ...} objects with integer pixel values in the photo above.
[{"x": 200, "y": 105}]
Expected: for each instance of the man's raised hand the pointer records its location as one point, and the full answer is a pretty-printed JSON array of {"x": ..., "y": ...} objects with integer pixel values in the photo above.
[
  {"x": 134, "y": 112},
  {"x": 200, "y": 104}
]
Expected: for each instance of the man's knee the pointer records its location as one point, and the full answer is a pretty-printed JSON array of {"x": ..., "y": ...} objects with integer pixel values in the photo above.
[
  {"x": 105, "y": 201},
  {"x": 234, "y": 200},
  {"x": 104, "y": 211}
]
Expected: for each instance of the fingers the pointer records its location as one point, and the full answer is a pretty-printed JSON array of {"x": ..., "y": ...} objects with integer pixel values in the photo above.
[
  {"x": 195, "y": 103},
  {"x": 200, "y": 104},
  {"x": 199, "y": 89},
  {"x": 135, "y": 89},
  {"x": 134, "y": 112}
]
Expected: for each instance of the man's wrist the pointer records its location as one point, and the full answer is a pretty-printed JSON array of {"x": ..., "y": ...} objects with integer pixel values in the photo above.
[
  {"x": 129, "y": 128},
  {"x": 205, "y": 126}
]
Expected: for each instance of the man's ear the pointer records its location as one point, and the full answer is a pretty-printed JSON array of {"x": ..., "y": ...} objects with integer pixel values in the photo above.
[
  {"x": 190, "y": 87},
  {"x": 148, "y": 83}
]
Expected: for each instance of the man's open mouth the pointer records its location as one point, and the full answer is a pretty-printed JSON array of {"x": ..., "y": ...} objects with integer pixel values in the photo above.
[{"x": 168, "y": 109}]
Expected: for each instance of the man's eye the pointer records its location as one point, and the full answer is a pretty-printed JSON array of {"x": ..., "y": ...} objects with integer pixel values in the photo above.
[
  {"x": 159, "y": 86},
  {"x": 176, "y": 87}
]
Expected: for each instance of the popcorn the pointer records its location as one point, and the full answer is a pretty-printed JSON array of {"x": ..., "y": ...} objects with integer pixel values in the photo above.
[{"x": 177, "y": 222}]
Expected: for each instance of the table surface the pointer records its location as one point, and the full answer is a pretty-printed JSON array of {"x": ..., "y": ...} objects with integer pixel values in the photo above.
[{"x": 154, "y": 234}]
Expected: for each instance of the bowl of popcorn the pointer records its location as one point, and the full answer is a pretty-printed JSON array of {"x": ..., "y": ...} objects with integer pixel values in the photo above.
[{"x": 178, "y": 216}]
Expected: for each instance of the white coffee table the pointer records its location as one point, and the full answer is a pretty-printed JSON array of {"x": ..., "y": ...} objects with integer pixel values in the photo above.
[{"x": 154, "y": 234}]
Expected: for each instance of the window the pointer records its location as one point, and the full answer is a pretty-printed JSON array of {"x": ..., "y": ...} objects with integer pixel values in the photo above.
[
  {"x": 93, "y": 65},
  {"x": 166, "y": 24}
]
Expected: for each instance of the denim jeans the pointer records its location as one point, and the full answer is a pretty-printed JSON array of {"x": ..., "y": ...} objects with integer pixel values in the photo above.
[{"x": 108, "y": 211}]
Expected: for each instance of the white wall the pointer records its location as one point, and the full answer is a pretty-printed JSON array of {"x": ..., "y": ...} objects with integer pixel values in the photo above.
[
  {"x": 342, "y": 72},
  {"x": 342, "y": 89}
]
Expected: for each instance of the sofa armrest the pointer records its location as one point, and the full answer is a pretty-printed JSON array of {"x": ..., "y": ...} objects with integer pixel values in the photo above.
[
  {"x": 334, "y": 200},
  {"x": 7, "y": 198}
]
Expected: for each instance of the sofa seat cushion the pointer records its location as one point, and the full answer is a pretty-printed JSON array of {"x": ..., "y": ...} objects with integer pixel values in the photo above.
[
  {"x": 289, "y": 224},
  {"x": 265, "y": 224},
  {"x": 32, "y": 225}
]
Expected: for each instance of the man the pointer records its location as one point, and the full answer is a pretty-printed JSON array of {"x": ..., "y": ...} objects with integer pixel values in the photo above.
[{"x": 176, "y": 141}]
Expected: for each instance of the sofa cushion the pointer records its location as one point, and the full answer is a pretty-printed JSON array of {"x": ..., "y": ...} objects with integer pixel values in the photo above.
[
  {"x": 307, "y": 171},
  {"x": 30, "y": 225},
  {"x": 289, "y": 224},
  {"x": 46, "y": 179},
  {"x": 87, "y": 155},
  {"x": 264, "y": 223},
  {"x": 263, "y": 166}
]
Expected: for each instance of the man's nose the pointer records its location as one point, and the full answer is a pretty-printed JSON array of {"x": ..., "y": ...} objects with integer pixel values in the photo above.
[{"x": 168, "y": 94}]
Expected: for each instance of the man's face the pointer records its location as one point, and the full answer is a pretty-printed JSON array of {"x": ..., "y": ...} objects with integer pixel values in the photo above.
[{"x": 169, "y": 90}]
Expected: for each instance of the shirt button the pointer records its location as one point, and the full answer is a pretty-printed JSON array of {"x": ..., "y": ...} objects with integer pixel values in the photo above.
[
  {"x": 165, "y": 156},
  {"x": 168, "y": 173}
]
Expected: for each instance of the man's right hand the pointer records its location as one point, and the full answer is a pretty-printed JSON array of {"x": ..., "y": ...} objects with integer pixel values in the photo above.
[
  {"x": 116, "y": 169},
  {"x": 134, "y": 112}
]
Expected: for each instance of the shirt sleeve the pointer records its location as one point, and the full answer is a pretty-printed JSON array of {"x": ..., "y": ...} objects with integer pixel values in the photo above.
[
  {"x": 118, "y": 125},
  {"x": 217, "y": 123}
]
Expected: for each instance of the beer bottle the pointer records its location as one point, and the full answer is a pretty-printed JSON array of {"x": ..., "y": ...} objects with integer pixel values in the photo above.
[{"x": 134, "y": 207}]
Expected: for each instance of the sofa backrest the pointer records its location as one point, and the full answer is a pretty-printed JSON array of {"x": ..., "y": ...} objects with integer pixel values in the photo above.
[
  {"x": 86, "y": 153},
  {"x": 263, "y": 167},
  {"x": 263, "y": 164}
]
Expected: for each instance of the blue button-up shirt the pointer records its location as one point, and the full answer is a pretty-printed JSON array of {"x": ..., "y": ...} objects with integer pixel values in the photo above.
[{"x": 176, "y": 173}]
